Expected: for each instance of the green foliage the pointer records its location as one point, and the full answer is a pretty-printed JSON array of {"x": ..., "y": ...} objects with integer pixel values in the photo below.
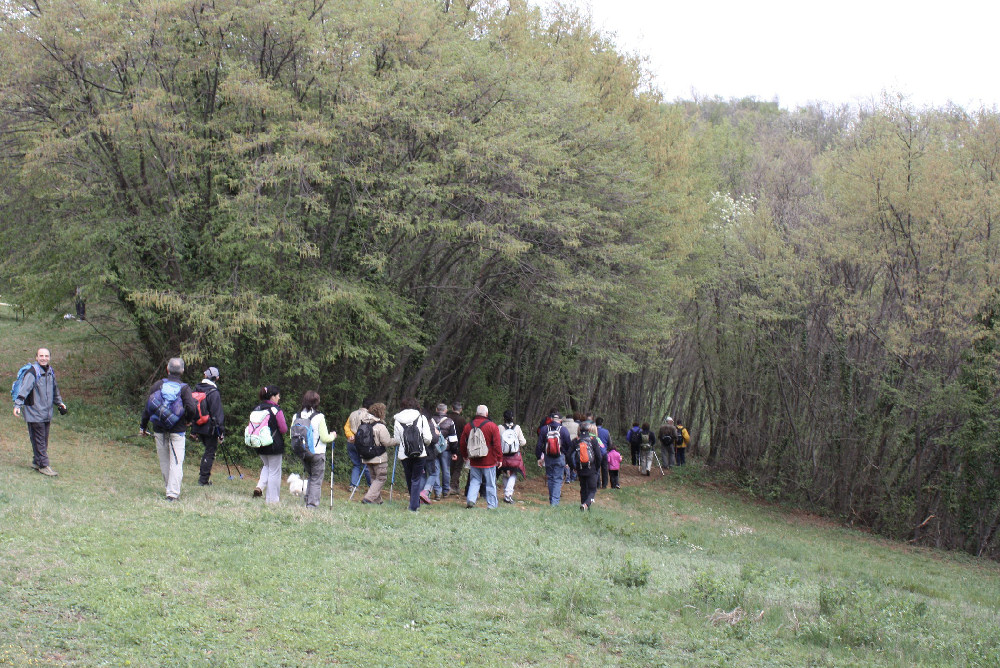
[
  {"x": 632, "y": 573},
  {"x": 348, "y": 190}
]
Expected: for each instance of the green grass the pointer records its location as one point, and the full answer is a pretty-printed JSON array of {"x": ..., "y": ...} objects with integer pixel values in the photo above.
[{"x": 97, "y": 569}]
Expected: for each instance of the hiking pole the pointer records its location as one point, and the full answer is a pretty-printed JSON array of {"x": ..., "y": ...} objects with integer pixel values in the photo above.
[
  {"x": 331, "y": 480},
  {"x": 227, "y": 456},
  {"x": 226, "y": 460},
  {"x": 393, "y": 483},
  {"x": 360, "y": 475},
  {"x": 658, "y": 464}
]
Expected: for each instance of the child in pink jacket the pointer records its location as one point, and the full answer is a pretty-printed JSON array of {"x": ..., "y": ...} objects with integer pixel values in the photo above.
[{"x": 614, "y": 464}]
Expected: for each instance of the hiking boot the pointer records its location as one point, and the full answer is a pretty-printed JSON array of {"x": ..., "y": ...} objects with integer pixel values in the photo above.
[
  {"x": 47, "y": 470},
  {"x": 171, "y": 498},
  {"x": 470, "y": 504},
  {"x": 35, "y": 466},
  {"x": 424, "y": 498},
  {"x": 583, "y": 506},
  {"x": 508, "y": 499},
  {"x": 257, "y": 491},
  {"x": 205, "y": 484}
]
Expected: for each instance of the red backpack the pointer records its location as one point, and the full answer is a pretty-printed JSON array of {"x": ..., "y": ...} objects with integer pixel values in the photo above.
[
  {"x": 553, "y": 448},
  {"x": 200, "y": 401}
]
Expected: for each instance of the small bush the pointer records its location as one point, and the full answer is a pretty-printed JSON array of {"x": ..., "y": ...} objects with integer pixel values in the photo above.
[{"x": 633, "y": 573}]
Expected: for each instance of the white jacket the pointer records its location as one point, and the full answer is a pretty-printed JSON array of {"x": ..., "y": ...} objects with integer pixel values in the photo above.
[{"x": 405, "y": 417}]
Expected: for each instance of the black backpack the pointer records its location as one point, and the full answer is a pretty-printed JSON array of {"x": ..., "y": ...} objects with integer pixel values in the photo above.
[
  {"x": 413, "y": 441},
  {"x": 364, "y": 442}
]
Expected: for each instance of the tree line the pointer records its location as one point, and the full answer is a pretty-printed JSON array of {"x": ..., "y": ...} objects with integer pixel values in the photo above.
[{"x": 490, "y": 201}]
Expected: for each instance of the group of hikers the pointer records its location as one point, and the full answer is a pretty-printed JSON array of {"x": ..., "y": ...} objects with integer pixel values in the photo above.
[{"x": 433, "y": 448}]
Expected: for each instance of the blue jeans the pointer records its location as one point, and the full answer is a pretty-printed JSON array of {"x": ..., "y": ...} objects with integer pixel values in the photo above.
[
  {"x": 356, "y": 466},
  {"x": 487, "y": 477},
  {"x": 440, "y": 480},
  {"x": 555, "y": 468}
]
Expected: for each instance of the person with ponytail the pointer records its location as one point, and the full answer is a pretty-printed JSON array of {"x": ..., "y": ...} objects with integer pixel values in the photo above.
[{"x": 269, "y": 484}]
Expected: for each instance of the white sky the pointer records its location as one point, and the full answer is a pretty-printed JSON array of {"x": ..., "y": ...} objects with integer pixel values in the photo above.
[{"x": 803, "y": 50}]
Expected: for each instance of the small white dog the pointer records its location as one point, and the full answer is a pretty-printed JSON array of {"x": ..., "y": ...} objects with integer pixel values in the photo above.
[{"x": 296, "y": 485}]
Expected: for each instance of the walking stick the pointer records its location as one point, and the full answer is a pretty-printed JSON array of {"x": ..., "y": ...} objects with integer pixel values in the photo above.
[
  {"x": 658, "y": 463},
  {"x": 331, "y": 480},
  {"x": 363, "y": 467},
  {"x": 395, "y": 451},
  {"x": 226, "y": 460}
]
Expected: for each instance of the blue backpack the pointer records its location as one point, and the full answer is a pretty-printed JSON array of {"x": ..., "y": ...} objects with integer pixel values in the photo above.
[
  {"x": 301, "y": 433},
  {"x": 15, "y": 389},
  {"x": 165, "y": 406}
]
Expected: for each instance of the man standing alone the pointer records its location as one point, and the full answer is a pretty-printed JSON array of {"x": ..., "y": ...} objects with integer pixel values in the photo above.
[
  {"x": 170, "y": 407},
  {"x": 37, "y": 396}
]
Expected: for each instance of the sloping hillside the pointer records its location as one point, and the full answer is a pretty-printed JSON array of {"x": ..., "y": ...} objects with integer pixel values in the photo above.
[{"x": 97, "y": 569}]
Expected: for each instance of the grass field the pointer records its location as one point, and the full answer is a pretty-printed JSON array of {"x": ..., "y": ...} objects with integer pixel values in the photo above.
[{"x": 97, "y": 569}]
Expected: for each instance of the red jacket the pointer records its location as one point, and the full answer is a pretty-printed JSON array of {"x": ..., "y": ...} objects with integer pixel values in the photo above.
[{"x": 492, "y": 434}]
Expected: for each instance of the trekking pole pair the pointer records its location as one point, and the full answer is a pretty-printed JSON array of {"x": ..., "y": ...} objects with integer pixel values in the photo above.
[{"x": 227, "y": 458}]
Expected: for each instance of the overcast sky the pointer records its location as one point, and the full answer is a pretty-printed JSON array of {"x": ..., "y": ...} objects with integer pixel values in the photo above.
[{"x": 839, "y": 52}]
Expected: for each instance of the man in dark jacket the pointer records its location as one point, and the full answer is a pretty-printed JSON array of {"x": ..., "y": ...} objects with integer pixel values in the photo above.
[
  {"x": 170, "y": 408},
  {"x": 457, "y": 462},
  {"x": 605, "y": 437},
  {"x": 554, "y": 463},
  {"x": 211, "y": 432},
  {"x": 587, "y": 471},
  {"x": 633, "y": 443},
  {"x": 482, "y": 470},
  {"x": 646, "y": 441},
  {"x": 37, "y": 395}
]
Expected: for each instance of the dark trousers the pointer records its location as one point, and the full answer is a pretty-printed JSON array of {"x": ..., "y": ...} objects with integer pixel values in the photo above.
[
  {"x": 588, "y": 486},
  {"x": 211, "y": 443},
  {"x": 38, "y": 434},
  {"x": 604, "y": 473},
  {"x": 634, "y": 450},
  {"x": 456, "y": 474},
  {"x": 413, "y": 467},
  {"x": 680, "y": 456},
  {"x": 614, "y": 478}
]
